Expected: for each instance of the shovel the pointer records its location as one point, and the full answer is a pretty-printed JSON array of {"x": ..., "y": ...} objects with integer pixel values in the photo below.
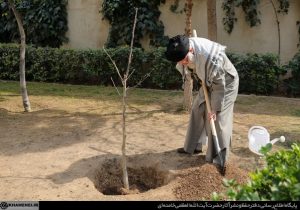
[{"x": 220, "y": 155}]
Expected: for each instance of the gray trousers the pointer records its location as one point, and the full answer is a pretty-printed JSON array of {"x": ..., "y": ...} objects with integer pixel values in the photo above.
[{"x": 199, "y": 127}]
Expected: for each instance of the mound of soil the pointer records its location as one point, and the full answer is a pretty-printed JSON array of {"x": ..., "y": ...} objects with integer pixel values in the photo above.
[
  {"x": 197, "y": 182},
  {"x": 200, "y": 182}
]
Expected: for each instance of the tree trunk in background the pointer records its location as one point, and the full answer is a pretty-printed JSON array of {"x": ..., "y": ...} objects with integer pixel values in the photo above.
[
  {"x": 188, "y": 23},
  {"x": 188, "y": 82},
  {"x": 278, "y": 30},
  {"x": 212, "y": 20},
  {"x": 25, "y": 97},
  {"x": 280, "y": 84}
]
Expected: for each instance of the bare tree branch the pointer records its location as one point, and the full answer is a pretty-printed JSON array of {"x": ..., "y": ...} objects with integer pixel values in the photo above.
[
  {"x": 131, "y": 74},
  {"x": 142, "y": 79},
  {"x": 131, "y": 44},
  {"x": 115, "y": 86},
  {"x": 113, "y": 62}
]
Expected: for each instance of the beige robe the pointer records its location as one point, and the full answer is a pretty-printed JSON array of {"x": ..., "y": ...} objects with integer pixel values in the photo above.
[{"x": 223, "y": 91}]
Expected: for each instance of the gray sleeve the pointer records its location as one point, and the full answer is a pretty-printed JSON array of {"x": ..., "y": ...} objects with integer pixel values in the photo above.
[{"x": 218, "y": 92}]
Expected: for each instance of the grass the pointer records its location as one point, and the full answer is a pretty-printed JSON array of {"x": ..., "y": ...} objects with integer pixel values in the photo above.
[
  {"x": 281, "y": 116},
  {"x": 296, "y": 112},
  {"x": 244, "y": 104},
  {"x": 53, "y": 89},
  {"x": 136, "y": 96}
]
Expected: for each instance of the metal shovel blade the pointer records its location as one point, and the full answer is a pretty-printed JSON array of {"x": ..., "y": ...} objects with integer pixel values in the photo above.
[{"x": 220, "y": 155}]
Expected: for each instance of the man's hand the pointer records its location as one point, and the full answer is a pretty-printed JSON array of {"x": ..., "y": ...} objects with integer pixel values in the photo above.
[{"x": 212, "y": 115}]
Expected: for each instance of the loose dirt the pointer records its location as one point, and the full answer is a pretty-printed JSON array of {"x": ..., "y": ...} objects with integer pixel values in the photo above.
[{"x": 71, "y": 150}]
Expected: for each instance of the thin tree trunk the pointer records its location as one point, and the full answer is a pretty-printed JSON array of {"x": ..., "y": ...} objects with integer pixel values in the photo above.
[
  {"x": 212, "y": 20},
  {"x": 125, "y": 88},
  {"x": 279, "y": 41},
  {"x": 278, "y": 31},
  {"x": 25, "y": 98},
  {"x": 124, "y": 162},
  {"x": 188, "y": 81},
  {"x": 188, "y": 26}
]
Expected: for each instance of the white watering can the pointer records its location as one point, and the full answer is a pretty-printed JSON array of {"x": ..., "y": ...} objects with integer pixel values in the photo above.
[{"x": 258, "y": 137}]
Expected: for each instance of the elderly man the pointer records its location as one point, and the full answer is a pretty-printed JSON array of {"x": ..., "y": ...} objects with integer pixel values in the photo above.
[{"x": 207, "y": 59}]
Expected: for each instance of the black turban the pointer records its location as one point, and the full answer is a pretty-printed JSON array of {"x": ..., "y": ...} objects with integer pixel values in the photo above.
[{"x": 177, "y": 48}]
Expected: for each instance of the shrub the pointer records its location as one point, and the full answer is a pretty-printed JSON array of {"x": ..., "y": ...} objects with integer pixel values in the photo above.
[
  {"x": 45, "y": 22},
  {"x": 278, "y": 181},
  {"x": 258, "y": 73},
  {"x": 91, "y": 67},
  {"x": 293, "y": 84}
]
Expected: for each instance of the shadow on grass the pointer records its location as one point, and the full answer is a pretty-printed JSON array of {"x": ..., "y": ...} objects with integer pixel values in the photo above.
[{"x": 50, "y": 129}]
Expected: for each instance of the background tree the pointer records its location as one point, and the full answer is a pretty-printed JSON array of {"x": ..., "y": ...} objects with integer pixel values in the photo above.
[
  {"x": 211, "y": 20},
  {"x": 188, "y": 81},
  {"x": 24, "y": 93},
  {"x": 283, "y": 9}
]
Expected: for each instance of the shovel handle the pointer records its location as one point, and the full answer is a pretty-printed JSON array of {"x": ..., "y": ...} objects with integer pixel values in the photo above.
[
  {"x": 207, "y": 101},
  {"x": 211, "y": 121}
]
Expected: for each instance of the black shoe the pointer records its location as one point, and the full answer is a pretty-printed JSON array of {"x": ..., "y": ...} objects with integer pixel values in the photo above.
[
  {"x": 197, "y": 151},
  {"x": 182, "y": 151}
]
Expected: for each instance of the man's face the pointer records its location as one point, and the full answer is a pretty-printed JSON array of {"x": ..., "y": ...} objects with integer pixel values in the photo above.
[{"x": 189, "y": 60}]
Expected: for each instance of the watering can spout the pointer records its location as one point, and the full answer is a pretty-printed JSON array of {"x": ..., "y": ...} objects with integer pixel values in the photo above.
[{"x": 281, "y": 139}]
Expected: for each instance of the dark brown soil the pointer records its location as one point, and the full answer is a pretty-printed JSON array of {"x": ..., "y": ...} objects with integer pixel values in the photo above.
[
  {"x": 199, "y": 183},
  {"x": 141, "y": 179},
  {"x": 193, "y": 183}
]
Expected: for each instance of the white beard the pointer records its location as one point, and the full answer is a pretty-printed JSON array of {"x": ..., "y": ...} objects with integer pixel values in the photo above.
[
  {"x": 191, "y": 65},
  {"x": 191, "y": 59}
]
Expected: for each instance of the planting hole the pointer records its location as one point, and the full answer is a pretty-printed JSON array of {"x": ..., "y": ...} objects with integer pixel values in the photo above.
[{"x": 108, "y": 179}]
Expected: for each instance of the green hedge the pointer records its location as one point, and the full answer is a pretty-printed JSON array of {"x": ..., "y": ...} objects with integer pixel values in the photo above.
[
  {"x": 89, "y": 66},
  {"x": 293, "y": 84},
  {"x": 258, "y": 73}
]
